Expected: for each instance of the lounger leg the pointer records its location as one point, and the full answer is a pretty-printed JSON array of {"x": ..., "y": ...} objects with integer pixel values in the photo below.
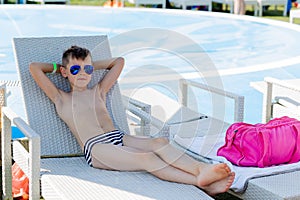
[{"x": 6, "y": 158}]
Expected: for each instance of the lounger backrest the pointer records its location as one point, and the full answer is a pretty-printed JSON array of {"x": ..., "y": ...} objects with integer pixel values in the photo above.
[{"x": 56, "y": 138}]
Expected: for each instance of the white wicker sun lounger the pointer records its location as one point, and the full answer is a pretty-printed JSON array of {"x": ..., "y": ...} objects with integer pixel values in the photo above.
[
  {"x": 146, "y": 2},
  {"x": 262, "y": 3},
  {"x": 46, "y": 164},
  {"x": 282, "y": 186},
  {"x": 294, "y": 14},
  {"x": 184, "y": 3},
  {"x": 280, "y": 98}
]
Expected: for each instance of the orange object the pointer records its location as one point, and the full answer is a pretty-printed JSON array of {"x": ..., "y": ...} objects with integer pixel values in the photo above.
[
  {"x": 20, "y": 183},
  {"x": 113, "y": 4}
]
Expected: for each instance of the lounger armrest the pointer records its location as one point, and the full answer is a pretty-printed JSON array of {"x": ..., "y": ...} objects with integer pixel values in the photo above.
[
  {"x": 143, "y": 115},
  {"x": 238, "y": 100},
  {"x": 268, "y": 95},
  {"x": 143, "y": 111},
  {"x": 143, "y": 106},
  {"x": 274, "y": 81},
  {"x": 31, "y": 166}
]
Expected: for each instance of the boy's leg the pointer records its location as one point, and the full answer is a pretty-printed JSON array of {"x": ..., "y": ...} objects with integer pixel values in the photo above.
[
  {"x": 165, "y": 150},
  {"x": 108, "y": 156},
  {"x": 206, "y": 173}
]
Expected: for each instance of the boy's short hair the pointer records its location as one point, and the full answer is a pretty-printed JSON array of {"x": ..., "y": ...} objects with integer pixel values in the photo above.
[{"x": 74, "y": 52}]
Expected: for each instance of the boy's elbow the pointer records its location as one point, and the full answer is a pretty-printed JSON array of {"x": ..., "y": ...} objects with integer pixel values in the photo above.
[
  {"x": 117, "y": 62},
  {"x": 121, "y": 61},
  {"x": 32, "y": 66}
]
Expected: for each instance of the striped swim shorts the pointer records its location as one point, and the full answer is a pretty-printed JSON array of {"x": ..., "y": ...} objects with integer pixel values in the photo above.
[{"x": 114, "y": 137}]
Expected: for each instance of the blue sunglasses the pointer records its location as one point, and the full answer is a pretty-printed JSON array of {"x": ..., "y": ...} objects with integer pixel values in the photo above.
[{"x": 75, "y": 69}]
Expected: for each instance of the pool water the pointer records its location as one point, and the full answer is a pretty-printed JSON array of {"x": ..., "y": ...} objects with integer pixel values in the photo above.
[{"x": 239, "y": 49}]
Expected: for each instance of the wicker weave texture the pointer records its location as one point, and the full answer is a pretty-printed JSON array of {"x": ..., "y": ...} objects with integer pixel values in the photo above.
[
  {"x": 56, "y": 139},
  {"x": 282, "y": 186},
  {"x": 2, "y": 101}
]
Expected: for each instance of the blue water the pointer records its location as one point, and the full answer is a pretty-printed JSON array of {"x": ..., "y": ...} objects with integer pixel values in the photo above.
[{"x": 241, "y": 48}]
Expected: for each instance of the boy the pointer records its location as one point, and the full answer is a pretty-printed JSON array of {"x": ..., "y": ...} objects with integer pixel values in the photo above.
[{"x": 84, "y": 111}]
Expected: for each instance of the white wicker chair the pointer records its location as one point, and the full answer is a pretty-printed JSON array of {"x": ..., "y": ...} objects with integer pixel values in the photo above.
[
  {"x": 47, "y": 162},
  {"x": 256, "y": 4},
  {"x": 184, "y": 3},
  {"x": 294, "y": 14},
  {"x": 147, "y": 2},
  {"x": 262, "y": 3},
  {"x": 49, "y": 1}
]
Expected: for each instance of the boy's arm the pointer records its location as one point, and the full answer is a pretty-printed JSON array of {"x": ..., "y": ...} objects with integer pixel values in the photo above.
[
  {"x": 115, "y": 66},
  {"x": 38, "y": 71}
]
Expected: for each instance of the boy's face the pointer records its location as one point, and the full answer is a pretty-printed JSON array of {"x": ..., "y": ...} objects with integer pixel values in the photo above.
[{"x": 81, "y": 79}]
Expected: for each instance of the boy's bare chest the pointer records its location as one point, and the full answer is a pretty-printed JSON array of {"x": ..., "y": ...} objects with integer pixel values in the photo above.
[{"x": 85, "y": 104}]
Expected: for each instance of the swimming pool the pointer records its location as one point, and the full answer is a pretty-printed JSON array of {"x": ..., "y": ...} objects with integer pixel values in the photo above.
[{"x": 241, "y": 48}]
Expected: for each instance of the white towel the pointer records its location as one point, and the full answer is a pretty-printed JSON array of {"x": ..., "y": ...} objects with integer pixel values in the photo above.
[{"x": 199, "y": 145}]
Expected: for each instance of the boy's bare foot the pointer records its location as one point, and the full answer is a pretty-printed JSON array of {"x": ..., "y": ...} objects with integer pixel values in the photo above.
[
  {"x": 212, "y": 173},
  {"x": 220, "y": 186}
]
